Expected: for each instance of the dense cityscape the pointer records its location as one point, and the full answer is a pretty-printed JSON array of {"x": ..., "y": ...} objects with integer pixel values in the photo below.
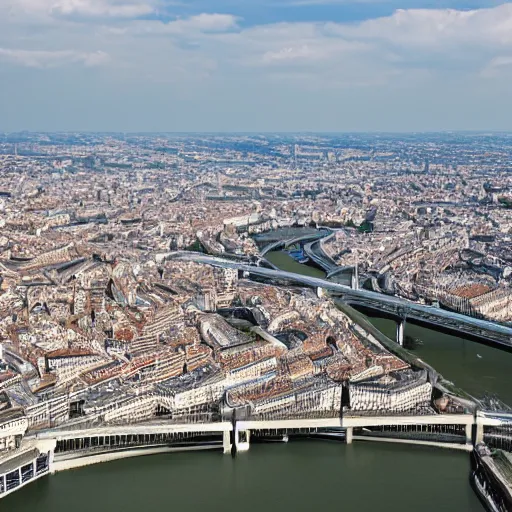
[{"x": 144, "y": 301}]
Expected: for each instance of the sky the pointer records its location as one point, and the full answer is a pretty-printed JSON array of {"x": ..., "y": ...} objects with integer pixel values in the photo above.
[{"x": 255, "y": 65}]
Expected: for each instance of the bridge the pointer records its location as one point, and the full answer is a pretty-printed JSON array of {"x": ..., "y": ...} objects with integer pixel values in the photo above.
[
  {"x": 469, "y": 431},
  {"x": 316, "y": 253},
  {"x": 312, "y": 248},
  {"x": 292, "y": 241},
  {"x": 48, "y": 451},
  {"x": 83, "y": 442},
  {"x": 340, "y": 270},
  {"x": 497, "y": 334},
  {"x": 161, "y": 427}
]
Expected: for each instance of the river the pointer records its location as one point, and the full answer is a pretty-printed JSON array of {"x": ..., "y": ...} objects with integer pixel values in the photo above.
[
  {"x": 296, "y": 477},
  {"x": 283, "y": 260}
]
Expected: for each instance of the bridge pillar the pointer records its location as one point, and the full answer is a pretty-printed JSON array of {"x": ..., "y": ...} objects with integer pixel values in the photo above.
[
  {"x": 354, "y": 281},
  {"x": 319, "y": 292},
  {"x": 400, "y": 327},
  {"x": 53, "y": 444},
  {"x": 479, "y": 437},
  {"x": 242, "y": 440},
  {"x": 226, "y": 441},
  {"x": 349, "y": 434},
  {"x": 469, "y": 433}
]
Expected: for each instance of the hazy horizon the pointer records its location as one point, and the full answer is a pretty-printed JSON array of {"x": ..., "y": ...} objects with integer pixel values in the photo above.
[{"x": 267, "y": 132}]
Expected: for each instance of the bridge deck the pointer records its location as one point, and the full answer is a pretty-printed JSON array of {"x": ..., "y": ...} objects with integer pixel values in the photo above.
[
  {"x": 497, "y": 333},
  {"x": 150, "y": 428},
  {"x": 357, "y": 421}
]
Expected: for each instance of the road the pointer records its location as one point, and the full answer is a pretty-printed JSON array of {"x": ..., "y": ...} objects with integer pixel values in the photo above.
[
  {"x": 498, "y": 334},
  {"x": 287, "y": 243}
]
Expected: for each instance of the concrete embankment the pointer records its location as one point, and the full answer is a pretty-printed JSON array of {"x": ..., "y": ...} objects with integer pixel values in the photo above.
[
  {"x": 490, "y": 478},
  {"x": 72, "y": 461},
  {"x": 431, "y": 444}
]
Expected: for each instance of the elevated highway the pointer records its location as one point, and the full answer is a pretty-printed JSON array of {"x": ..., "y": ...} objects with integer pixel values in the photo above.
[
  {"x": 316, "y": 253},
  {"x": 472, "y": 427},
  {"x": 339, "y": 270},
  {"x": 292, "y": 241},
  {"x": 401, "y": 309},
  {"x": 86, "y": 441}
]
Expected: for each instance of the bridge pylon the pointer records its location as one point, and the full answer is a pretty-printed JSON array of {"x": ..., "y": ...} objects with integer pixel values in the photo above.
[
  {"x": 400, "y": 325},
  {"x": 400, "y": 328}
]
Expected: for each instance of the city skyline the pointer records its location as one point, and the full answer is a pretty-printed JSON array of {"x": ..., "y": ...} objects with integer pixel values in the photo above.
[{"x": 300, "y": 66}]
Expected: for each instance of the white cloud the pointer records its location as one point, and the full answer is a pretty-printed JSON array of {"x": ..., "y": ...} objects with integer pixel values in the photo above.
[
  {"x": 86, "y": 8},
  {"x": 201, "y": 23},
  {"x": 502, "y": 61},
  {"x": 291, "y": 53},
  {"x": 206, "y": 23},
  {"x": 441, "y": 28},
  {"x": 407, "y": 47},
  {"x": 301, "y": 3},
  {"x": 442, "y": 41},
  {"x": 414, "y": 65},
  {"x": 498, "y": 66},
  {"x": 51, "y": 59}
]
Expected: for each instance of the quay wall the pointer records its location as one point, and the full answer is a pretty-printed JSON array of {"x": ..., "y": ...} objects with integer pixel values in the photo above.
[
  {"x": 432, "y": 444},
  {"x": 493, "y": 490},
  {"x": 65, "y": 463}
]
